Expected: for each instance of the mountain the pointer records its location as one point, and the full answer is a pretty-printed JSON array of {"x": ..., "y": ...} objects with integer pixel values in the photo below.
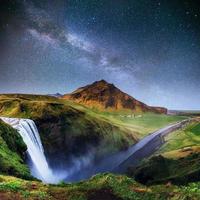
[
  {"x": 55, "y": 95},
  {"x": 103, "y": 95}
]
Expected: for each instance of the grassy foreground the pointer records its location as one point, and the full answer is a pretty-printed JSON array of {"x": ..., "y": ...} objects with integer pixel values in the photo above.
[{"x": 100, "y": 187}]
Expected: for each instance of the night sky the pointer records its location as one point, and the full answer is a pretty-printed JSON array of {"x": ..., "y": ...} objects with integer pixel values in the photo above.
[{"x": 148, "y": 48}]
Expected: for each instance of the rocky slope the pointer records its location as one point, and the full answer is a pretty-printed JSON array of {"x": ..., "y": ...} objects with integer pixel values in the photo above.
[{"x": 103, "y": 95}]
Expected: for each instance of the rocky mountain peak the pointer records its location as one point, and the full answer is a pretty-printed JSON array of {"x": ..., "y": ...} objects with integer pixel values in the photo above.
[{"x": 104, "y": 95}]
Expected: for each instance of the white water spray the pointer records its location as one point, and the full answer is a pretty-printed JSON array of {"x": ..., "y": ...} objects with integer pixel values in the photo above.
[{"x": 28, "y": 131}]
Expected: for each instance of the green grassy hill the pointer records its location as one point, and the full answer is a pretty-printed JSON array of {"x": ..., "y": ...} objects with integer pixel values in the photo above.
[{"x": 177, "y": 161}]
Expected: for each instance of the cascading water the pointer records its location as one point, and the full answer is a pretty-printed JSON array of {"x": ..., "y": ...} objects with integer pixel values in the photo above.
[{"x": 28, "y": 131}]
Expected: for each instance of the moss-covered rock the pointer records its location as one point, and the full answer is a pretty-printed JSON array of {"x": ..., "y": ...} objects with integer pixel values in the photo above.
[{"x": 12, "y": 150}]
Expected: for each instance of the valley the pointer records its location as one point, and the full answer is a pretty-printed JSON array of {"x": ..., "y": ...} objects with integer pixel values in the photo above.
[{"x": 81, "y": 141}]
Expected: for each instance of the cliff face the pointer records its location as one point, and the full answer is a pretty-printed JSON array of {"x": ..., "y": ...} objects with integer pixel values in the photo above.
[
  {"x": 103, "y": 95},
  {"x": 74, "y": 134}
]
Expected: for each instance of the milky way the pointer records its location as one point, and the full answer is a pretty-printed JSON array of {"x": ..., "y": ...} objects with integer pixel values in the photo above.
[{"x": 149, "y": 49}]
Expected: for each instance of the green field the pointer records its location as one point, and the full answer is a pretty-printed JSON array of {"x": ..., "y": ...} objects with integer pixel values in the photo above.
[
  {"x": 143, "y": 124},
  {"x": 140, "y": 123}
]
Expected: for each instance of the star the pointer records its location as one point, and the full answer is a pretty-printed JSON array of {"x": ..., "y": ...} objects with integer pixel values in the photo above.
[{"x": 94, "y": 19}]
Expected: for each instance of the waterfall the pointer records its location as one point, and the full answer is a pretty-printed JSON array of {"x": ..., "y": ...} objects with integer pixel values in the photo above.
[{"x": 39, "y": 166}]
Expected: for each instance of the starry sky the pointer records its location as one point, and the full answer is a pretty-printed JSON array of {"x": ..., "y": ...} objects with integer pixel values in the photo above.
[{"x": 148, "y": 48}]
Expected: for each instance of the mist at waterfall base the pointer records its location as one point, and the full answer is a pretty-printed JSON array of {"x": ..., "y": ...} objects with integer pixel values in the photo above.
[
  {"x": 35, "y": 153},
  {"x": 78, "y": 168}
]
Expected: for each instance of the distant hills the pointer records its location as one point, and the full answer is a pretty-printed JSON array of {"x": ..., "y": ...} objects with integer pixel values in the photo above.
[
  {"x": 55, "y": 95},
  {"x": 103, "y": 95}
]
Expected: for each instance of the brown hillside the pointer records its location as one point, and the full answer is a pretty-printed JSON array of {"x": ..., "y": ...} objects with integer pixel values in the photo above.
[{"x": 103, "y": 95}]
